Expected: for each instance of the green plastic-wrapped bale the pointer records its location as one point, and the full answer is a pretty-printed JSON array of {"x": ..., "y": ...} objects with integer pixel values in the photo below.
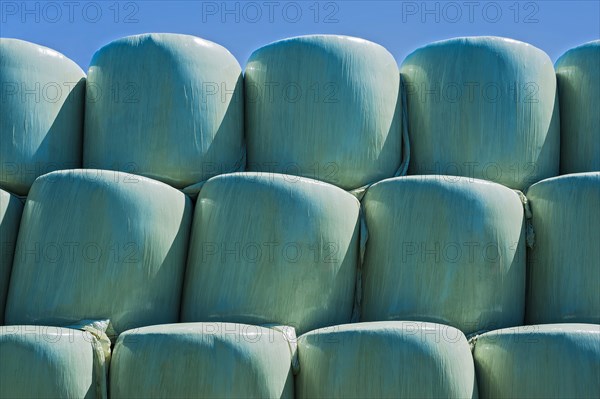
[
  {"x": 165, "y": 106},
  {"x": 270, "y": 248},
  {"x": 326, "y": 107},
  {"x": 563, "y": 272},
  {"x": 10, "y": 217},
  {"x": 202, "y": 360},
  {"x": 578, "y": 73},
  {"x": 390, "y": 359},
  {"x": 99, "y": 244},
  {"x": 444, "y": 249},
  {"x": 539, "y": 361},
  {"x": 41, "y": 128},
  {"x": 483, "y": 107},
  {"x": 49, "y": 362}
]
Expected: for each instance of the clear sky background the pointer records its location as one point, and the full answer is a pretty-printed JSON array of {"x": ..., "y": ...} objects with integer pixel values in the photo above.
[{"x": 79, "y": 28}]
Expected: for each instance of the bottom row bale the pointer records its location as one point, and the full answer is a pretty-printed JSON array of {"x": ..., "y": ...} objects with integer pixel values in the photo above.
[
  {"x": 391, "y": 359},
  {"x": 49, "y": 362},
  {"x": 399, "y": 359},
  {"x": 210, "y": 360},
  {"x": 539, "y": 361}
]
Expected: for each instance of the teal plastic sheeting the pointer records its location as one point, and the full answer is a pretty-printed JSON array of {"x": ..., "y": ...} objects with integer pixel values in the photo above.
[
  {"x": 539, "y": 361},
  {"x": 43, "y": 94},
  {"x": 10, "y": 217},
  {"x": 270, "y": 248},
  {"x": 391, "y": 359},
  {"x": 483, "y": 107},
  {"x": 578, "y": 73},
  {"x": 325, "y": 107},
  {"x": 165, "y": 106},
  {"x": 204, "y": 360},
  {"x": 49, "y": 362},
  {"x": 563, "y": 264},
  {"x": 444, "y": 249},
  {"x": 99, "y": 245}
]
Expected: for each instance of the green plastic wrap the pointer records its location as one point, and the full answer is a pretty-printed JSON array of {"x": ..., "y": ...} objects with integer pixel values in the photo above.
[
  {"x": 202, "y": 360},
  {"x": 270, "y": 248},
  {"x": 10, "y": 217},
  {"x": 444, "y": 249},
  {"x": 99, "y": 245},
  {"x": 563, "y": 264},
  {"x": 539, "y": 361},
  {"x": 325, "y": 107},
  {"x": 483, "y": 107},
  {"x": 43, "y": 94},
  {"x": 390, "y": 359},
  {"x": 165, "y": 106},
  {"x": 49, "y": 362},
  {"x": 578, "y": 74}
]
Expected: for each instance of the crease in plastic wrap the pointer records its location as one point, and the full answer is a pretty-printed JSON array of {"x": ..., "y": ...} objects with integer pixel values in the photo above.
[
  {"x": 578, "y": 74},
  {"x": 283, "y": 248},
  {"x": 180, "y": 115},
  {"x": 290, "y": 336},
  {"x": 41, "y": 129},
  {"x": 11, "y": 209},
  {"x": 563, "y": 272},
  {"x": 325, "y": 107},
  {"x": 539, "y": 361},
  {"x": 208, "y": 360},
  {"x": 529, "y": 231},
  {"x": 99, "y": 245},
  {"x": 364, "y": 237},
  {"x": 483, "y": 107},
  {"x": 55, "y": 362},
  {"x": 393, "y": 359},
  {"x": 444, "y": 249}
]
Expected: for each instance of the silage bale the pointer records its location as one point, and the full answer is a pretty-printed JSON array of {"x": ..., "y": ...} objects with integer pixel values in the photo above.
[
  {"x": 270, "y": 248},
  {"x": 578, "y": 74},
  {"x": 99, "y": 245},
  {"x": 390, "y": 359},
  {"x": 41, "y": 128},
  {"x": 325, "y": 107},
  {"x": 539, "y": 361},
  {"x": 165, "y": 106},
  {"x": 207, "y": 360},
  {"x": 563, "y": 264},
  {"x": 49, "y": 362},
  {"x": 10, "y": 217},
  {"x": 483, "y": 107},
  {"x": 444, "y": 249}
]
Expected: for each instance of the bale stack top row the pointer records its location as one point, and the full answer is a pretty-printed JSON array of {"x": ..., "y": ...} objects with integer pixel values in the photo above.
[{"x": 178, "y": 109}]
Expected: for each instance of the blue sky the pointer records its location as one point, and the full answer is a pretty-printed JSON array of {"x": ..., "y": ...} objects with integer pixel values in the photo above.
[{"x": 79, "y": 28}]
